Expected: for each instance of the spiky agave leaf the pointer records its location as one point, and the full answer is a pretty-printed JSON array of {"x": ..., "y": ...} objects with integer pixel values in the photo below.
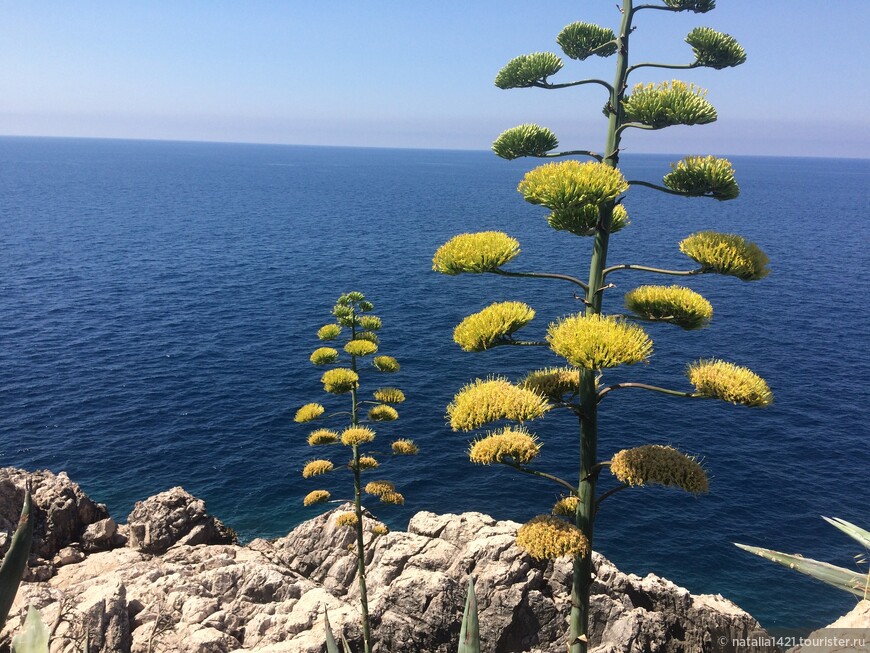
[
  {"x": 360, "y": 347},
  {"x": 583, "y": 220},
  {"x": 571, "y": 184},
  {"x": 308, "y": 412},
  {"x": 855, "y": 532},
  {"x": 546, "y": 538},
  {"x": 718, "y": 379},
  {"x": 581, "y": 40},
  {"x": 317, "y": 468},
  {"x": 696, "y": 6},
  {"x": 667, "y": 104},
  {"x": 15, "y": 560},
  {"x": 676, "y": 304},
  {"x": 553, "y": 382},
  {"x": 316, "y": 496},
  {"x": 492, "y": 326},
  {"x": 389, "y": 395},
  {"x": 33, "y": 638},
  {"x": 656, "y": 464},
  {"x": 524, "y": 140},
  {"x": 324, "y": 356},
  {"x": 839, "y": 577},
  {"x": 483, "y": 401},
  {"x": 485, "y": 251},
  {"x": 595, "y": 342},
  {"x": 703, "y": 176},
  {"x": 726, "y": 254},
  {"x": 469, "y": 631},
  {"x": 339, "y": 380},
  {"x": 357, "y": 435},
  {"x": 509, "y": 445},
  {"x": 528, "y": 70},
  {"x": 404, "y": 447},
  {"x": 386, "y": 364},
  {"x": 715, "y": 49},
  {"x": 331, "y": 644},
  {"x": 383, "y": 413}
]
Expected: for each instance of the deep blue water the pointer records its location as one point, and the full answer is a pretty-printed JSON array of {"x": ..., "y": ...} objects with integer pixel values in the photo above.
[{"x": 158, "y": 303}]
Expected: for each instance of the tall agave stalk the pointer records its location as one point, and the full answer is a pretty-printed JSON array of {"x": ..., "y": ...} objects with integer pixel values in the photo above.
[
  {"x": 585, "y": 199},
  {"x": 354, "y": 324}
]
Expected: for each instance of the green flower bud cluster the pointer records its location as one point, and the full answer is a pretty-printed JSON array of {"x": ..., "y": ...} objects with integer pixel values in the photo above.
[
  {"x": 675, "y": 304},
  {"x": 715, "y": 49},
  {"x": 528, "y": 70},
  {"x": 667, "y": 104},
  {"x": 485, "y": 251},
  {"x": 525, "y": 140},
  {"x": 583, "y": 220},
  {"x": 655, "y": 464},
  {"x": 703, "y": 175},
  {"x": 696, "y": 6},
  {"x": 582, "y": 40},
  {"x": 726, "y": 254}
]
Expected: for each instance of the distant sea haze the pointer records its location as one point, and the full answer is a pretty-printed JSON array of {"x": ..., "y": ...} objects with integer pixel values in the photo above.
[{"x": 159, "y": 301}]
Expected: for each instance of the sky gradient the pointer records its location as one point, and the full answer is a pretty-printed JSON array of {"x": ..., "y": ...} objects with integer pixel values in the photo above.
[{"x": 415, "y": 74}]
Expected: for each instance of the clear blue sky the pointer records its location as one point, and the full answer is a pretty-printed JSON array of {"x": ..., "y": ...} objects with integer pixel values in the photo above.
[{"x": 417, "y": 74}]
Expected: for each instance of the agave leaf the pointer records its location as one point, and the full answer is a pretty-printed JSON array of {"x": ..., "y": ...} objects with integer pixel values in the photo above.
[
  {"x": 469, "y": 634},
  {"x": 344, "y": 645},
  {"x": 855, "y": 532},
  {"x": 16, "y": 558},
  {"x": 331, "y": 646},
  {"x": 34, "y": 637},
  {"x": 844, "y": 579}
]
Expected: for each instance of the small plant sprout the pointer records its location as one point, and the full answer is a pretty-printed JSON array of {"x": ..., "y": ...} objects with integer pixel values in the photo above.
[
  {"x": 348, "y": 363},
  {"x": 584, "y": 198}
]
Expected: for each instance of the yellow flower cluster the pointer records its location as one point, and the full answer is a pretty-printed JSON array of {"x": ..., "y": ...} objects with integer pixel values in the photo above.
[
  {"x": 377, "y": 488},
  {"x": 347, "y": 519},
  {"x": 386, "y": 364},
  {"x": 367, "y": 335},
  {"x": 324, "y": 356},
  {"x": 682, "y": 306},
  {"x": 383, "y": 413},
  {"x": 339, "y": 381},
  {"x": 493, "y": 324},
  {"x": 720, "y": 380},
  {"x": 322, "y": 436},
  {"x": 546, "y": 538},
  {"x": 356, "y": 435},
  {"x": 405, "y": 448},
  {"x": 316, "y": 468},
  {"x": 566, "y": 506},
  {"x": 515, "y": 444},
  {"x": 389, "y": 395},
  {"x": 394, "y": 498},
  {"x": 481, "y": 402},
  {"x": 367, "y": 462},
  {"x": 329, "y": 332},
  {"x": 583, "y": 220},
  {"x": 656, "y": 464},
  {"x": 360, "y": 347},
  {"x": 309, "y": 412},
  {"x": 317, "y": 496},
  {"x": 668, "y": 103},
  {"x": 703, "y": 175},
  {"x": 370, "y": 322},
  {"x": 594, "y": 342},
  {"x": 380, "y": 529},
  {"x": 567, "y": 185},
  {"x": 475, "y": 253},
  {"x": 553, "y": 383},
  {"x": 726, "y": 254}
]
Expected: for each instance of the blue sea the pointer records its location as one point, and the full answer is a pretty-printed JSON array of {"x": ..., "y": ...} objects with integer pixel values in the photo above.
[{"x": 159, "y": 301}]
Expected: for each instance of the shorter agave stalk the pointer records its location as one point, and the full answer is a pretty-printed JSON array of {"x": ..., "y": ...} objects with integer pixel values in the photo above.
[
  {"x": 845, "y": 579},
  {"x": 15, "y": 559}
]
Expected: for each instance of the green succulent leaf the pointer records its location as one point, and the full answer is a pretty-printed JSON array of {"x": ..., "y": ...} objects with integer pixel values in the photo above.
[
  {"x": 524, "y": 140},
  {"x": 34, "y": 636},
  {"x": 667, "y": 104},
  {"x": 696, "y": 6},
  {"x": 855, "y": 532},
  {"x": 528, "y": 69},
  {"x": 715, "y": 49},
  {"x": 469, "y": 632},
  {"x": 582, "y": 40},
  {"x": 703, "y": 176}
]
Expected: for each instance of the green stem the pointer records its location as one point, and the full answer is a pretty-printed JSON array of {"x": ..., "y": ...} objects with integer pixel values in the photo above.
[
  {"x": 676, "y": 66},
  {"x": 610, "y": 492},
  {"x": 552, "y": 155},
  {"x": 549, "y": 477},
  {"x": 665, "y": 189},
  {"x": 542, "y": 275},
  {"x": 646, "y": 386},
  {"x": 644, "y": 268},
  {"x": 585, "y": 515},
  {"x": 548, "y": 85}
]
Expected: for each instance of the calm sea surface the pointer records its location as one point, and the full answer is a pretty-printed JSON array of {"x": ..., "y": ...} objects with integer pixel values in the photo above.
[{"x": 158, "y": 304}]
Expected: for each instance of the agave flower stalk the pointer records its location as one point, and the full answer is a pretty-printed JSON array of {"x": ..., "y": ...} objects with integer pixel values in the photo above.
[
  {"x": 354, "y": 324},
  {"x": 585, "y": 199}
]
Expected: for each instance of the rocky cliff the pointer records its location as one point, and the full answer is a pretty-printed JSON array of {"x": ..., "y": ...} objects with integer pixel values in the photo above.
[{"x": 174, "y": 580}]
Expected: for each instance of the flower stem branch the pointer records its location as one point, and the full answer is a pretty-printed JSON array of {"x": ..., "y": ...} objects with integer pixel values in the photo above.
[
  {"x": 543, "y": 275},
  {"x": 549, "y": 477},
  {"x": 645, "y": 386},
  {"x": 645, "y": 268}
]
